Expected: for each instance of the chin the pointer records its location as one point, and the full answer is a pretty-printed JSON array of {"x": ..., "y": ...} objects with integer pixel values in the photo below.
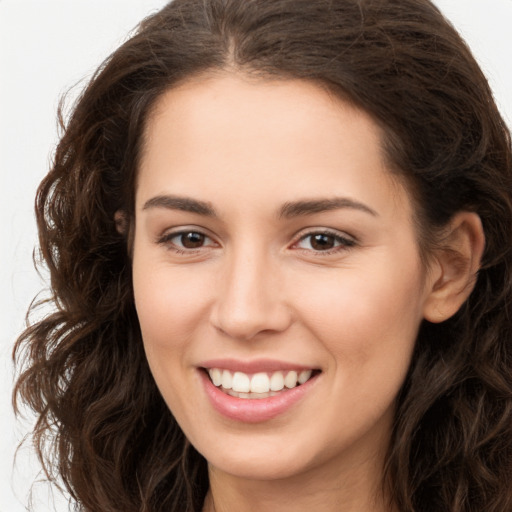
[{"x": 259, "y": 467}]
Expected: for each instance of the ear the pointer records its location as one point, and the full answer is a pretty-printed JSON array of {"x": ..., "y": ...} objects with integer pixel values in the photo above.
[
  {"x": 121, "y": 222},
  {"x": 125, "y": 226},
  {"x": 455, "y": 265}
]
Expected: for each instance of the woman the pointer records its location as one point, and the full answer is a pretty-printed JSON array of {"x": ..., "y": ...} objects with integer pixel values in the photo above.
[{"x": 279, "y": 241}]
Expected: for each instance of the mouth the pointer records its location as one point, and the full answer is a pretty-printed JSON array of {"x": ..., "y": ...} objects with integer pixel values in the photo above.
[{"x": 259, "y": 385}]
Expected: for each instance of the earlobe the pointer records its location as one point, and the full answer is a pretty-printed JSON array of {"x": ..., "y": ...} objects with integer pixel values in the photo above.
[
  {"x": 125, "y": 227},
  {"x": 121, "y": 222},
  {"x": 456, "y": 266}
]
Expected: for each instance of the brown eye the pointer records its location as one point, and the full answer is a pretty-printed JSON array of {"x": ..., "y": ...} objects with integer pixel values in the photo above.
[
  {"x": 322, "y": 242},
  {"x": 186, "y": 241},
  {"x": 191, "y": 240}
]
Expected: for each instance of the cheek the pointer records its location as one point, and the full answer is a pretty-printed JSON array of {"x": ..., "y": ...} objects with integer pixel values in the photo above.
[
  {"x": 170, "y": 312},
  {"x": 169, "y": 303},
  {"x": 369, "y": 315},
  {"x": 368, "y": 324}
]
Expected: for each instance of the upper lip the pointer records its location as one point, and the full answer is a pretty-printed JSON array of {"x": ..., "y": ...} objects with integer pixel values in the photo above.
[{"x": 254, "y": 366}]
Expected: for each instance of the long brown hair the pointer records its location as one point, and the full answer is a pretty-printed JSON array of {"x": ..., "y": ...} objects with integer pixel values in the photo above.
[{"x": 103, "y": 429}]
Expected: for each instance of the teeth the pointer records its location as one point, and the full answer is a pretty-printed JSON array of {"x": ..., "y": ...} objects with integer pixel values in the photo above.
[
  {"x": 290, "y": 381},
  {"x": 227, "y": 379},
  {"x": 241, "y": 383},
  {"x": 260, "y": 383},
  {"x": 216, "y": 376},
  {"x": 304, "y": 376},
  {"x": 264, "y": 384},
  {"x": 276, "y": 381}
]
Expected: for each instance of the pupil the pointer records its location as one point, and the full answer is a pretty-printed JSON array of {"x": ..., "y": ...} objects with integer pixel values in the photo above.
[
  {"x": 192, "y": 240},
  {"x": 322, "y": 242}
]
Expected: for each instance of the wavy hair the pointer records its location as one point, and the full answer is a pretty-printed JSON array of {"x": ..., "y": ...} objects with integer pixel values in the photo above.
[{"x": 103, "y": 428}]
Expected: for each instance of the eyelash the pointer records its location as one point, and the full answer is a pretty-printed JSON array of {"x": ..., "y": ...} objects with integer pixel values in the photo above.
[
  {"x": 168, "y": 237},
  {"x": 342, "y": 243}
]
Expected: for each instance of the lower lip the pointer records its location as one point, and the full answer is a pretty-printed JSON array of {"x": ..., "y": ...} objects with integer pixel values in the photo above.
[{"x": 254, "y": 410}]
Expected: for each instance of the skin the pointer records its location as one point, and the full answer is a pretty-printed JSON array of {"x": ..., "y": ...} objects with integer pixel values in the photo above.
[{"x": 258, "y": 288}]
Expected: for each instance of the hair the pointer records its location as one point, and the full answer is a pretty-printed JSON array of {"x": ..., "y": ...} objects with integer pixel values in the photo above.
[{"x": 103, "y": 429}]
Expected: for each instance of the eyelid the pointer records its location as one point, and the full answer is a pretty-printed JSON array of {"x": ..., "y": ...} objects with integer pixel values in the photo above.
[
  {"x": 346, "y": 241},
  {"x": 166, "y": 237}
]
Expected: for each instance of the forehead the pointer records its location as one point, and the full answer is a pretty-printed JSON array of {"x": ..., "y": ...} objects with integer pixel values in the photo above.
[
  {"x": 258, "y": 138},
  {"x": 246, "y": 105}
]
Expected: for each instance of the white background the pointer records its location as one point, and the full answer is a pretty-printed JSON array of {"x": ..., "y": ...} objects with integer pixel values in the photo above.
[{"x": 47, "y": 46}]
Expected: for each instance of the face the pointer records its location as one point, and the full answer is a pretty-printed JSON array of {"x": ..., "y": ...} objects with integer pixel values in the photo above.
[{"x": 277, "y": 275}]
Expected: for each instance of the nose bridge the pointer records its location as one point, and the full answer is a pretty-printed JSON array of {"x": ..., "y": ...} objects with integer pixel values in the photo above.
[{"x": 249, "y": 300}]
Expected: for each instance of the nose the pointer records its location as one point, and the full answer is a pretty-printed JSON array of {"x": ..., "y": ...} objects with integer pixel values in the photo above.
[{"x": 250, "y": 298}]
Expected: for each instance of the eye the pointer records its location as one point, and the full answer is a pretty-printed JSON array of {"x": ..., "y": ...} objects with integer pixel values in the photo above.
[
  {"x": 324, "y": 241},
  {"x": 190, "y": 240},
  {"x": 187, "y": 240}
]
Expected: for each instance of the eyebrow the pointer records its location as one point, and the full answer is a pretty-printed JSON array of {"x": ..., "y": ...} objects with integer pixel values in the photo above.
[
  {"x": 185, "y": 204},
  {"x": 310, "y": 207},
  {"x": 288, "y": 210}
]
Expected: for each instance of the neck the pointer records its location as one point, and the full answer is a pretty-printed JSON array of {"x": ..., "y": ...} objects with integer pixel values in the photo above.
[{"x": 343, "y": 491}]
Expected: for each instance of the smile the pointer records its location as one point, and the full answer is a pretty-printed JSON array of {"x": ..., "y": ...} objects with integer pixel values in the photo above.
[
  {"x": 265, "y": 390},
  {"x": 258, "y": 385}
]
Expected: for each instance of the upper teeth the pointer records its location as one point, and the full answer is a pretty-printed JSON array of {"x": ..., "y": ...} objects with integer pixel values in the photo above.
[{"x": 258, "y": 382}]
